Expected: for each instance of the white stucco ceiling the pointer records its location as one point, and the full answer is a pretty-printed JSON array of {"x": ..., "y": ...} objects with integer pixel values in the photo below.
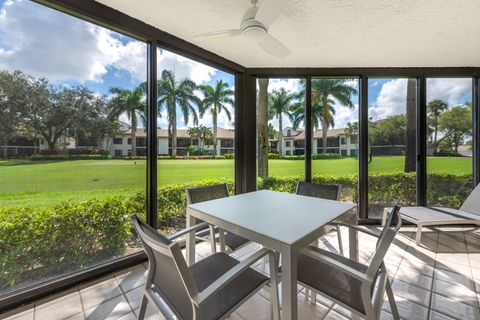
[{"x": 330, "y": 33}]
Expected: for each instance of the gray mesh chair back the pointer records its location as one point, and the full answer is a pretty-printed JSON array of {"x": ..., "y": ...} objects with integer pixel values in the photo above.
[
  {"x": 331, "y": 192},
  {"x": 163, "y": 274},
  {"x": 358, "y": 287},
  {"x": 472, "y": 203},
  {"x": 200, "y": 194},
  {"x": 210, "y": 289}
]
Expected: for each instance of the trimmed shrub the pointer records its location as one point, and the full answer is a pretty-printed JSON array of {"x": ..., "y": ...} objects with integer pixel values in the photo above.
[
  {"x": 61, "y": 157},
  {"x": 320, "y": 156},
  {"x": 228, "y": 155},
  {"x": 273, "y": 156}
]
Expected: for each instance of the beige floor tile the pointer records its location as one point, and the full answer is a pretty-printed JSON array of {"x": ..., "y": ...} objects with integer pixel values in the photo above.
[
  {"x": 413, "y": 278},
  {"x": 454, "y": 278},
  {"x": 99, "y": 292},
  {"x": 346, "y": 312},
  {"x": 453, "y": 308},
  {"x": 128, "y": 316},
  {"x": 333, "y": 315},
  {"x": 257, "y": 307},
  {"x": 411, "y": 293},
  {"x": 21, "y": 313},
  {"x": 132, "y": 278},
  {"x": 110, "y": 310},
  {"x": 151, "y": 313},
  {"x": 59, "y": 309},
  {"x": 456, "y": 292},
  {"x": 134, "y": 297},
  {"x": 434, "y": 315},
  {"x": 78, "y": 316},
  {"x": 408, "y": 310}
]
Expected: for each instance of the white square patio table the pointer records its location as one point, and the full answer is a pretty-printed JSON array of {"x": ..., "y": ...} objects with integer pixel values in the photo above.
[{"x": 280, "y": 221}]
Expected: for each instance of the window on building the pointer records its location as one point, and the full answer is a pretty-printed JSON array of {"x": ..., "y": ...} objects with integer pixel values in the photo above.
[
  {"x": 118, "y": 153},
  {"x": 119, "y": 141},
  {"x": 343, "y": 140},
  {"x": 289, "y": 133},
  {"x": 288, "y": 144},
  {"x": 129, "y": 141}
]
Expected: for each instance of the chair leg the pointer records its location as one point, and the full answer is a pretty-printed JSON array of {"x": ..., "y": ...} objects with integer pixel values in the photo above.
[
  {"x": 313, "y": 297},
  {"x": 340, "y": 242},
  {"x": 274, "y": 300},
  {"x": 391, "y": 300},
  {"x": 143, "y": 308}
]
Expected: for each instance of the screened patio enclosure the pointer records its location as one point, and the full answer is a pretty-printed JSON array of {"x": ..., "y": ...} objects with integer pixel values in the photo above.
[{"x": 370, "y": 98}]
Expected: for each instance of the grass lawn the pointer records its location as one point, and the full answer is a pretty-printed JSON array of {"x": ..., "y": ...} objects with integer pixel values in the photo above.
[{"x": 47, "y": 183}]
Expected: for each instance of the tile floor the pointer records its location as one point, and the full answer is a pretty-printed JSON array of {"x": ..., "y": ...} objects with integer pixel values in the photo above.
[{"x": 438, "y": 281}]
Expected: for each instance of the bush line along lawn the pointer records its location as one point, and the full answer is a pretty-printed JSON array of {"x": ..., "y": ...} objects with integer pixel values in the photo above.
[{"x": 50, "y": 182}]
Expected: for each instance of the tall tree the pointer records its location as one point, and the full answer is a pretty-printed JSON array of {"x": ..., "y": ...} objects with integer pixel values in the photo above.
[
  {"x": 434, "y": 109},
  {"x": 281, "y": 102},
  {"x": 262, "y": 131},
  {"x": 351, "y": 130},
  {"x": 410, "y": 126},
  {"x": 173, "y": 94},
  {"x": 216, "y": 99},
  {"x": 323, "y": 90},
  {"x": 132, "y": 103}
]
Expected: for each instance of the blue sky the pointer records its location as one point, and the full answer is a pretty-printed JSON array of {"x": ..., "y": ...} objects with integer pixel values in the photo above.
[{"x": 33, "y": 38}]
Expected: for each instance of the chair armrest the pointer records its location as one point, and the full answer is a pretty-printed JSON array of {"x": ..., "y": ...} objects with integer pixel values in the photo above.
[
  {"x": 187, "y": 230},
  {"x": 334, "y": 263},
  {"x": 361, "y": 229},
  {"x": 229, "y": 276}
]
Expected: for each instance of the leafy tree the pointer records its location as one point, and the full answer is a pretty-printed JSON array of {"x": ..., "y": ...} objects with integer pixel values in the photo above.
[
  {"x": 388, "y": 131},
  {"x": 56, "y": 113},
  {"x": 203, "y": 134},
  {"x": 11, "y": 99},
  {"x": 455, "y": 124},
  {"x": 435, "y": 109},
  {"x": 272, "y": 132},
  {"x": 281, "y": 102},
  {"x": 132, "y": 103},
  {"x": 323, "y": 93},
  {"x": 173, "y": 94},
  {"x": 216, "y": 100},
  {"x": 262, "y": 130}
]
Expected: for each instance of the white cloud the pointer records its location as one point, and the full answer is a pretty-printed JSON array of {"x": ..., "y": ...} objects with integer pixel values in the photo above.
[
  {"x": 391, "y": 100},
  {"x": 288, "y": 84},
  {"x": 184, "y": 67},
  {"x": 43, "y": 42},
  {"x": 452, "y": 91}
]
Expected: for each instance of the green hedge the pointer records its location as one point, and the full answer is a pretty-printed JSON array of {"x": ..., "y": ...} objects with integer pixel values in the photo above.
[
  {"x": 61, "y": 157},
  {"x": 37, "y": 243}
]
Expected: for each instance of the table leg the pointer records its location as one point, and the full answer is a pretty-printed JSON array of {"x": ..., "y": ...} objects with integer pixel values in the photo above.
[
  {"x": 222, "y": 239},
  {"x": 190, "y": 241},
  {"x": 289, "y": 285},
  {"x": 353, "y": 241}
]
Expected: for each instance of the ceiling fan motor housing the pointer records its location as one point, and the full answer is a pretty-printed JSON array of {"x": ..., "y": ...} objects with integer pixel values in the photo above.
[{"x": 252, "y": 29}]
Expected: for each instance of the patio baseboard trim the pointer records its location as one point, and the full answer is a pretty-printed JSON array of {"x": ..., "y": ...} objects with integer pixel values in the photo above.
[{"x": 34, "y": 293}]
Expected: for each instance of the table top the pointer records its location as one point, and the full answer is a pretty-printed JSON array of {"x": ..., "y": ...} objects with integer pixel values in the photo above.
[{"x": 281, "y": 216}]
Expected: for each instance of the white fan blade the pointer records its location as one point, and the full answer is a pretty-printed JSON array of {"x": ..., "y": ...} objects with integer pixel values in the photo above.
[
  {"x": 219, "y": 34},
  {"x": 271, "y": 45},
  {"x": 270, "y": 10}
]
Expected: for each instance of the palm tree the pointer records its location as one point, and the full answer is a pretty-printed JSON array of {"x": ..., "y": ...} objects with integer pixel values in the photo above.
[
  {"x": 435, "y": 108},
  {"x": 281, "y": 102},
  {"x": 317, "y": 115},
  {"x": 410, "y": 126},
  {"x": 216, "y": 100},
  {"x": 323, "y": 90},
  {"x": 173, "y": 94},
  {"x": 132, "y": 103},
  {"x": 203, "y": 134}
]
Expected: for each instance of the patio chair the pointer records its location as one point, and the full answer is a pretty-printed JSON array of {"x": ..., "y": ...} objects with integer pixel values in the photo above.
[
  {"x": 331, "y": 192},
  {"x": 200, "y": 194},
  {"x": 209, "y": 289},
  {"x": 469, "y": 213},
  {"x": 358, "y": 287}
]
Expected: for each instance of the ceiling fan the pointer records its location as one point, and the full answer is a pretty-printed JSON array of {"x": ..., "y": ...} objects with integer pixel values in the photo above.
[{"x": 254, "y": 26}]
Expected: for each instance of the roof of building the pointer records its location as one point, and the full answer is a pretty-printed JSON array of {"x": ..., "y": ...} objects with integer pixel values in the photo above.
[
  {"x": 183, "y": 133},
  {"x": 316, "y": 134}
]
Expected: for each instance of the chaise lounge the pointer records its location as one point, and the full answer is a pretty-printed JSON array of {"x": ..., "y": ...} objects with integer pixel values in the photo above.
[{"x": 469, "y": 213}]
